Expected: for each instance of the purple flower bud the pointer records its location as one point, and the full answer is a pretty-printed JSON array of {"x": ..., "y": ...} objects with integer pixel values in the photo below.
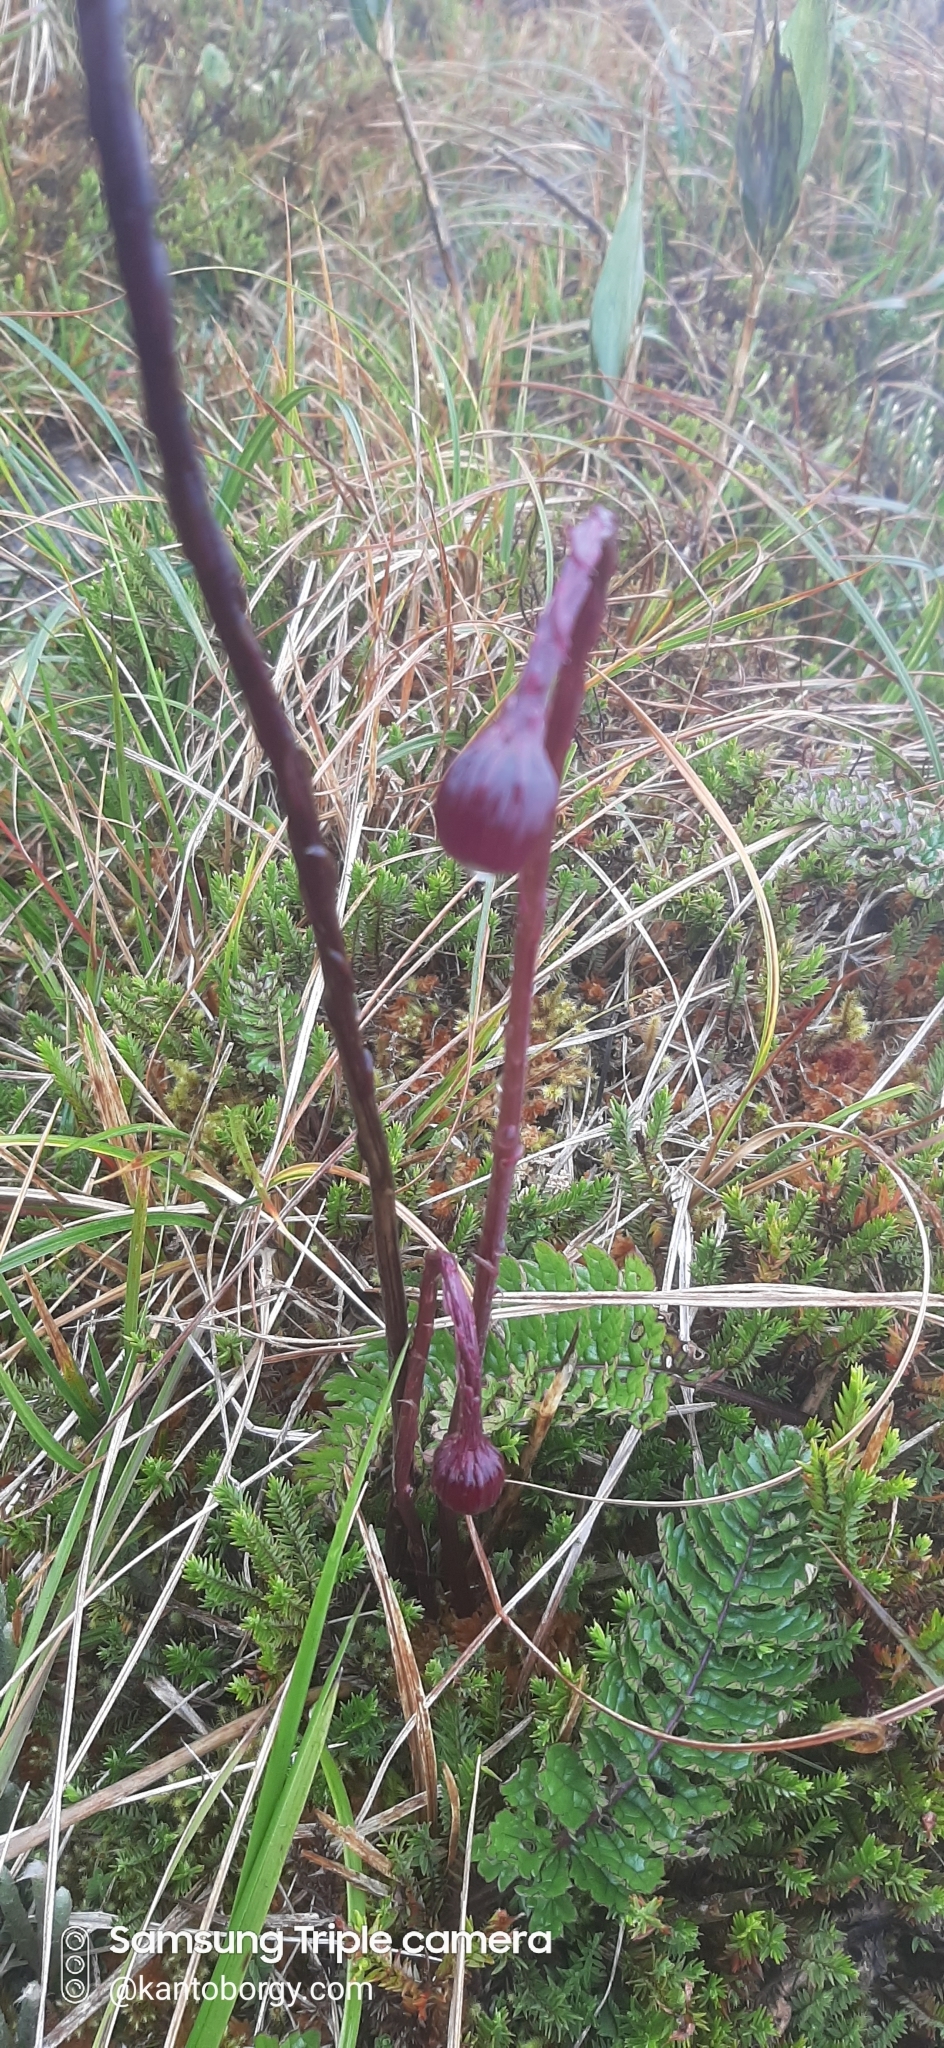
[
  {"x": 468, "y": 1472},
  {"x": 498, "y": 797}
]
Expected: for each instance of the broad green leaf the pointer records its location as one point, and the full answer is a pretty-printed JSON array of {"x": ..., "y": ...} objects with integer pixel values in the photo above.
[
  {"x": 807, "y": 41},
  {"x": 367, "y": 16},
  {"x": 567, "y": 1786},
  {"x": 768, "y": 145},
  {"x": 618, "y": 296}
]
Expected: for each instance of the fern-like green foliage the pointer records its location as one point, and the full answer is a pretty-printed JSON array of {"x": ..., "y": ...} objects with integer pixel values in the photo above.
[
  {"x": 67, "y": 1080},
  {"x": 261, "y": 1016},
  {"x": 637, "y": 1146},
  {"x": 721, "y": 1640},
  {"x": 834, "y": 1231},
  {"x": 929, "y": 1096},
  {"x": 395, "y": 894},
  {"x": 351, "y": 1401},
  {"x": 609, "y": 1351}
]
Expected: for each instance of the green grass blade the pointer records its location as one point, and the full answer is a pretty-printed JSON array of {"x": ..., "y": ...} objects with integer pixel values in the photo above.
[
  {"x": 42, "y": 1437},
  {"x": 337, "y": 1793},
  {"x": 71, "y": 1391},
  {"x": 52, "y": 1244},
  {"x": 64, "y": 369},
  {"x": 50, "y": 1587},
  {"x": 260, "y": 1876},
  {"x": 297, "y": 1690}
]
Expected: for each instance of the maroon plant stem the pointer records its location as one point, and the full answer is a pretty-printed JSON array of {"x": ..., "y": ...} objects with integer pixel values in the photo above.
[
  {"x": 411, "y": 1394},
  {"x": 130, "y": 193},
  {"x": 468, "y": 1472},
  {"x": 507, "y": 1147},
  {"x": 437, "y": 1266},
  {"x": 566, "y": 633}
]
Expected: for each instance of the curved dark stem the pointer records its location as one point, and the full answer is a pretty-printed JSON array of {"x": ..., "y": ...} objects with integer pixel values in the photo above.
[
  {"x": 130, "y": 194},
  {"x": 556, "y": 669},
  {"x": 455, "y": 1563},
  {"x": 440, "y": 1267},
  {"x": 506, "y": 1148},
  {"x": 404, "y": 1447}
]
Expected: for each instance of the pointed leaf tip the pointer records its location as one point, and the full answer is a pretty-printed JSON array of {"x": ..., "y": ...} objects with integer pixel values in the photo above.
[
  {"x": 369, "y": 18},
  {"x": 807, "y": 39},
  {"x": 768, "y": 145},
  {"x": 618, "y": 296}
]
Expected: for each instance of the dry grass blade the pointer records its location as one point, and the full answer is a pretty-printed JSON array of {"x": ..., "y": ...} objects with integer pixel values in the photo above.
[
  {"x": 352, "y": 1840},
  {"x": 109, "y": 1100},
  {"x": 454, "y": 2035},
  {"x": 21, "y": 1840},
  {"x": 356, "y": 1881},
  {"x": 406, "y": 1672},
  {"x": 455, "y": 1815},
  {"x": 581, "y": 1537},
  {"x": 771, "y": 954}
]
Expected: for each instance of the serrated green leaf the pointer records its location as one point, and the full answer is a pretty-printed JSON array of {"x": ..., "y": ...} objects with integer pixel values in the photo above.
[
  {"x": 567, "y": 1787},
  {"x": 807, "y": 40},
  {"x": 602, "y": 1271},
  {"x": 620, "y": 285}
]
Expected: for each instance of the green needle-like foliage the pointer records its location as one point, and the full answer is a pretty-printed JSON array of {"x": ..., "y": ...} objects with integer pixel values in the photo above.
[{"x": 286, "y": 1562}]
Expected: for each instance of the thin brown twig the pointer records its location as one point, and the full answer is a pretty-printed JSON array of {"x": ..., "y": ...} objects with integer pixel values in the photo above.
[
  {"x": 572, "y": 206},
  {"x": 131, "y": 198}
]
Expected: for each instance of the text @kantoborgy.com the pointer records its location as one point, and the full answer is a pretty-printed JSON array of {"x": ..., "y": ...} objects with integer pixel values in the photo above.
[{"x": 300, "y": 1943}]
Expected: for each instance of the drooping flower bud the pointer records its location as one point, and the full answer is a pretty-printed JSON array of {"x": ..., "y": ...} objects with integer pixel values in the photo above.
[
  {"x": 468, "y": 1472},
  {"x": 498, "y": 797},
  {"x": 580, "y": 598}
]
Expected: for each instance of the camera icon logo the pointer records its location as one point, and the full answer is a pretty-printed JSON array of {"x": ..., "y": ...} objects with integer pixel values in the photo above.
[{"x": 76, "y": 1964}]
